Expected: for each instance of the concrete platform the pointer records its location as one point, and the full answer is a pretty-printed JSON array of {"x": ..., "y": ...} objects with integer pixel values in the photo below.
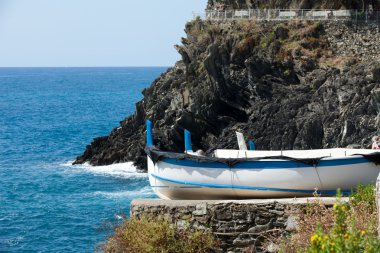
[{"x": 286, "y": 201}]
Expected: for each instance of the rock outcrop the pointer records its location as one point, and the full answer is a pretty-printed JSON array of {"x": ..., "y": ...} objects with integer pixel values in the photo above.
[{"x": 284, "y": 85}]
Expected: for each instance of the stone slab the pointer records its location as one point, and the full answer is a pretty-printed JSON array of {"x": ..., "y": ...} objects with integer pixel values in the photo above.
[{"x": 183, "y": 203}]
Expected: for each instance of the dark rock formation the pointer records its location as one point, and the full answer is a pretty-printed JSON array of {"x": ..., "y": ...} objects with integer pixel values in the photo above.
[{"x": 281, "y": 84}]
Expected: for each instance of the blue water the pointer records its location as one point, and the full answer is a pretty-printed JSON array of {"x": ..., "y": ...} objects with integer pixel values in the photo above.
[{"x": 48, "y": 116}]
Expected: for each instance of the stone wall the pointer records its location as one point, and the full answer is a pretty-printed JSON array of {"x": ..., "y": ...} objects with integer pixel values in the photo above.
[
  {"x": 291, "y": 4},
  {"x": 239, "y": 225},
  {"x": 358, "y": 40}
]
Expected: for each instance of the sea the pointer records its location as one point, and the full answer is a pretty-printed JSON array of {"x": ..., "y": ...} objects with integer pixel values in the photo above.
[{"x": 47, "y": 117}]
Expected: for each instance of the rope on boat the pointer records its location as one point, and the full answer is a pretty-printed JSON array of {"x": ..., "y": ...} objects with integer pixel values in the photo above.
[
  {"x": 156, "y": 155},
  {"x": 373, "y": 157}
]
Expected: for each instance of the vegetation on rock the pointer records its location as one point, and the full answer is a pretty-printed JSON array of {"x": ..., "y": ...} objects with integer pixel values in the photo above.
[{"x": 157, "y": 236}]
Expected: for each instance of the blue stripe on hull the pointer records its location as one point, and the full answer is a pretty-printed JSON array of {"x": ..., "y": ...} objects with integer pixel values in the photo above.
[
  {"x": 263, "y": 164},
  {"x": 225, "y": 186}
]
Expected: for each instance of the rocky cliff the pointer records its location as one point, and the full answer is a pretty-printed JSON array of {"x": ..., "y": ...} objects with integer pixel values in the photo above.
[
  {"x": 293, "y": 4},
  {"x": 286, "y": 85}
]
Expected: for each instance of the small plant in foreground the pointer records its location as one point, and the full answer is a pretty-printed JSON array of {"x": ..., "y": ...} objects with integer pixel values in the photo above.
[
  {"x": 348, "y": 227},
  {"x": 346, "y": 236},
  {"x": 157, "y": 235}
]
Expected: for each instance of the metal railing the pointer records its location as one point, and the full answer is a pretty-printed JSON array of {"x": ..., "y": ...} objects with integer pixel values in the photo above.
[{"x": 278, "y": 14}]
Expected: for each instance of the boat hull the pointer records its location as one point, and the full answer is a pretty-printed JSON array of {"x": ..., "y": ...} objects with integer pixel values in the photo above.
[{"x": 173, "y": 178}]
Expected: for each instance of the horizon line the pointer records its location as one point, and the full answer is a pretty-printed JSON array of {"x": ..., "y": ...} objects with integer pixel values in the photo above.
[{"x": 86, "y": 66}]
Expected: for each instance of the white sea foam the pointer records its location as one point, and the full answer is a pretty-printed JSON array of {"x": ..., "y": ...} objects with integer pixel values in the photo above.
[
  {"x": 140, "y": 193},
  {"x": 123, "y": 170},
  {"x": 67, "y": 164}
]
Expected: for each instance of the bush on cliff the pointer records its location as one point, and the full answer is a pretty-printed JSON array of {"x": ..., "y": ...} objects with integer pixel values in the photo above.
[
  {"x": 157, "y": 235},
  {"x": 347, "y": 227}
]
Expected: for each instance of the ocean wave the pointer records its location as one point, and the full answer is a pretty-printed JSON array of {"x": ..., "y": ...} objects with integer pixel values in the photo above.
[
  {"x": 143, "y": 192},
  {"x": 123, "y": 170}
]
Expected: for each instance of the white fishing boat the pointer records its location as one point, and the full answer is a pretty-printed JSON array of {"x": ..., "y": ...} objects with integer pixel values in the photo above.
[{"x": 246, "y": 174}]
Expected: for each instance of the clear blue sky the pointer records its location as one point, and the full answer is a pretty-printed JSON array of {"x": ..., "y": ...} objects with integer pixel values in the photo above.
[{"x": 93, "y": 32}]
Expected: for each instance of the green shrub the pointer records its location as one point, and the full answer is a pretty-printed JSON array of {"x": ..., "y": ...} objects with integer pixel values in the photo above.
[
  {"x": 348, "y": 233},
  {"x": 287, "y": 73},
  {"x": 364, "y": 194},
  {"x": 157, "y": 235},
  {"x": 267, "y": 39},
  {"x": 245, "y": 45},
  {"x": 348, "y": 227}
]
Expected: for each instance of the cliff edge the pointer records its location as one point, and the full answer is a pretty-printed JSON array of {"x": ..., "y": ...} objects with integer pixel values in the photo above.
[{"x": 286, "y": 85}]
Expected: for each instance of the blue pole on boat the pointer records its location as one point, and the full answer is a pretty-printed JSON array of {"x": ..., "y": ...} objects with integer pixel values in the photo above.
[
  {"x": 188, "y": 146},
  {"x": 251, "y": 145},
  {"x": 149, "y": 134}
]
